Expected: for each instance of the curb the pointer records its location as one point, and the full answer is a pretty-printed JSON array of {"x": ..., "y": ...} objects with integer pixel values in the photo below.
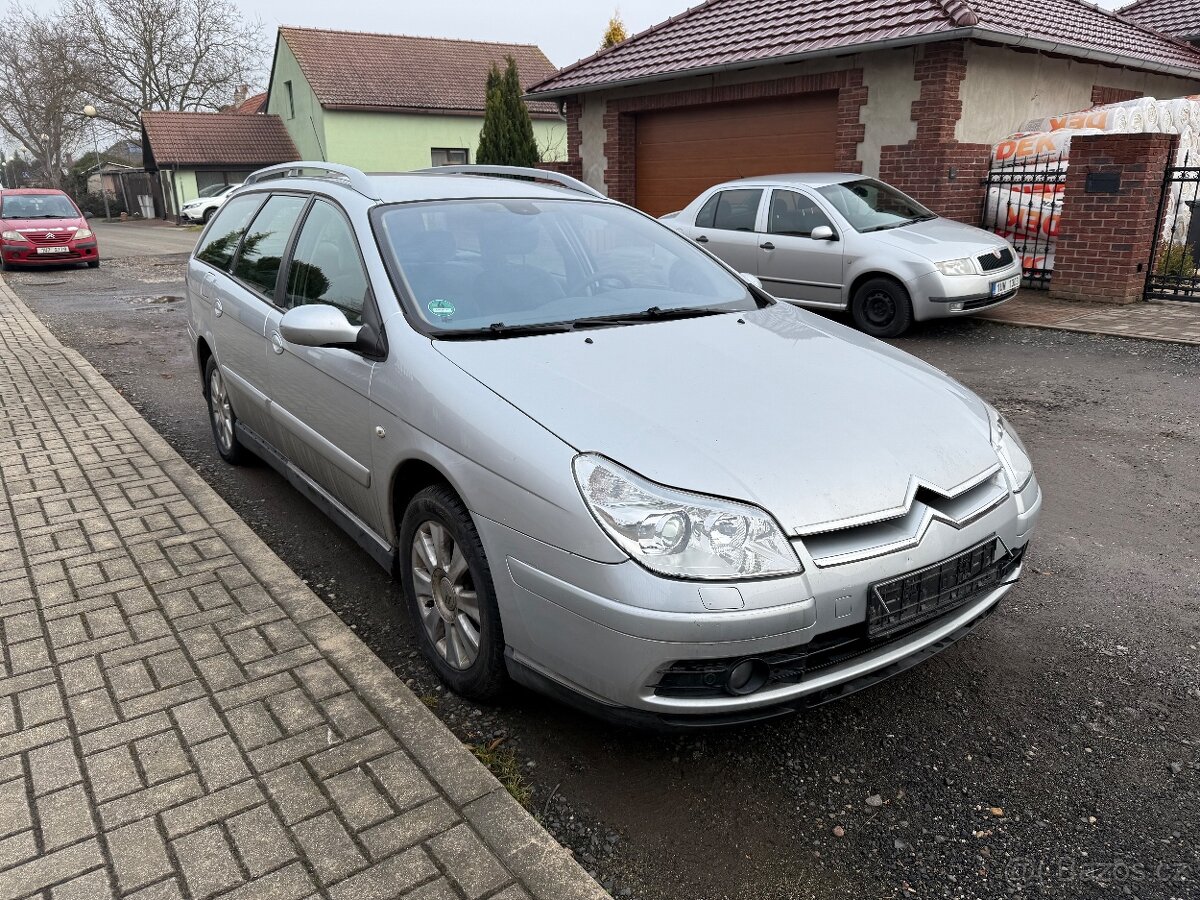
[{"x": 535, "y": 860}]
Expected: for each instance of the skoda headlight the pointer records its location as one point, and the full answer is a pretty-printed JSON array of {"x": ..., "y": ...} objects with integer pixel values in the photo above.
[
  {"x": 681, "y": 534},
  {"x": 1014, "y": 458},
  {"x": 962, "y": 266}
]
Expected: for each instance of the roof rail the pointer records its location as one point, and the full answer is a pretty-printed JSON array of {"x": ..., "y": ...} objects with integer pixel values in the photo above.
[
  {"x": 558, "y": 178},
  {"x": 357, "y": 180}
]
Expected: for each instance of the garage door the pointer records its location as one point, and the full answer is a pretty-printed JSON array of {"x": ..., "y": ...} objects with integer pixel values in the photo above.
[{"x": 681, "y": 152}]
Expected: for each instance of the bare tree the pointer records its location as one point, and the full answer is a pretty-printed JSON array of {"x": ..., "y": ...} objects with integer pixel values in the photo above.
[
  {"x": 164, "y": 54},
  {"x": 40, "y": 80}
]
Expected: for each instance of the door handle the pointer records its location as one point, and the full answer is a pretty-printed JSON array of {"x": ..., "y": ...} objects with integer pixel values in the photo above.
[
  {"x": 276, "y": 342},
  {"x": 702, "y": 239},
  {"x": 767, "y": 245}
]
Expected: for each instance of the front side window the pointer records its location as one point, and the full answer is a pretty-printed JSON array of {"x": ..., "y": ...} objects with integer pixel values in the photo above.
[
  {"x": 37, "y": 206},
  {"x": 220, "y": 241},
  {"x": 475, "y": 265},
  {"x": 443, "y": 156},
  {"x": 794, "y": 214},
  {"x": 870, "y": 205},
  {"x": 265, "y": 242},
  {"x": 326, "y": 267}
]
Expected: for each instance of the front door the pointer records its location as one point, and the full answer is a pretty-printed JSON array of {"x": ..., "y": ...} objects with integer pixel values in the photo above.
[
  {"x": 794, "y": 265},
  {"x": 725, "y": 226},
  {"x": 320, "y": 395}
]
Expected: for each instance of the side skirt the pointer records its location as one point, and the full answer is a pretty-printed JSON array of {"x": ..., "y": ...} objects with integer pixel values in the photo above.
[{"x": 363, "y": 535}]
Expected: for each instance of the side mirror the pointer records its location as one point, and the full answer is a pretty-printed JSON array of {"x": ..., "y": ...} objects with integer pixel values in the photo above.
[
  {"x": 751, "y": 280},
  {"x": 823, "y": 233},
  {"x": 318, "y": 325}
]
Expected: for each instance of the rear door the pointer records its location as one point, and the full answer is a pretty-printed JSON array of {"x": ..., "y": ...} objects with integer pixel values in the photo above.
[
  {"x": 792, "y": 265},
  {"x": 319, "y": 395},
  {"x": 726, "y": 226},
  {"x": 243, "y": 300}
]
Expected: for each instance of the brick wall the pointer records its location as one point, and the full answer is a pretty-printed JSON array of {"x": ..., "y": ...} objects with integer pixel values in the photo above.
[
  {"x": 1102, "y": 95},
  {"x": 1105, "y": 240},
  {"x": 620, "y": 123},
  {"x": 573, "y": 164},
  {"x": 935, "y": 168}
]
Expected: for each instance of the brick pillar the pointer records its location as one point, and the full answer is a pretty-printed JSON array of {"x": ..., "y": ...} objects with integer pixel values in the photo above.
[
  {"x": 573, "y": 164},
  {"x": 1105, "y": 239},
  {"x": 935, "y": 168}
]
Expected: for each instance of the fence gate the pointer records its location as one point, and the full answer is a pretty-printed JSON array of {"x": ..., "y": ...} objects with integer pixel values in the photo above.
[
  {"x": 1171, "y": 274},
  {"x": 1023, "y": 204}
]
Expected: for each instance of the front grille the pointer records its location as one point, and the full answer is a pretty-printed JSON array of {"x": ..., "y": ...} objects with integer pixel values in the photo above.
[
  {"x": 699, "y": 678},
  {"x": 51, "y": 237},
  {"x": 990, "y": 262}
]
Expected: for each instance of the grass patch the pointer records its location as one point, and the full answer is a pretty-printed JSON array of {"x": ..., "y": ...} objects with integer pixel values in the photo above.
[{"x": 503, "y": 763}]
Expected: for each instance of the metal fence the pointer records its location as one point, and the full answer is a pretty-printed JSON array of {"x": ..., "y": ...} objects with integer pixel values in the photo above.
[
  {"x": 1172, "y": 273},
  {"x": 1023, "y": 204}
]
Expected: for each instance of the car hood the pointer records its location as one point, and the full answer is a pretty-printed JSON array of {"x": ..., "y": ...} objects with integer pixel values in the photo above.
[
  {"x": 807, "y": 419},
  {"x": 940, "y": 239},
  {"x": 54, "y": 225}
]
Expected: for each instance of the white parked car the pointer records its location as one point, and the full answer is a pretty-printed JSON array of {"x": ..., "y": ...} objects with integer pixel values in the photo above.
[
  {"x": 847, "y": 242},
  {"x": 202, "y": 208}
]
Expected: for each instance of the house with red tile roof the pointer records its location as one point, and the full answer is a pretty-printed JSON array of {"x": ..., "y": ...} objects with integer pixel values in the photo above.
[
  {"x": 189, "y": 152},
  {"x": 913, "y": 91},
  {"x": 1178, "y": 18},
  {"x": 391, "y": 102}
]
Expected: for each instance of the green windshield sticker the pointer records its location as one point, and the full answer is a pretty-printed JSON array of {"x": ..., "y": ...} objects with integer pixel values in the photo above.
[{"x": 443, "y": 309}]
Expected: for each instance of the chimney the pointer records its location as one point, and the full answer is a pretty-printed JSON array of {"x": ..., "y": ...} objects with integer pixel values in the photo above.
[{"x": 239, "y": 94}]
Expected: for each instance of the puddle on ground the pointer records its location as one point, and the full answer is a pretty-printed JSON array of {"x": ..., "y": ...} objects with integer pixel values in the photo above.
[{"x": 160, "y": 300}]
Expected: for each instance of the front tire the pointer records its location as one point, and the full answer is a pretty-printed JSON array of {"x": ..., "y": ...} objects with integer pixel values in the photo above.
[
  {"x": 93, "y": 264},
  {"x": 208, "y": 214},
  {"x": 882, "y": 308},
  {"x": 221, "y": 416},
  {"x": 449, "y": 594}
]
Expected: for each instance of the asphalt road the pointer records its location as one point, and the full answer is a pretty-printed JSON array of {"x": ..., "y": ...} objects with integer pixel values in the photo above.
[
  {"x": 141, "y": 238},
  {"x": 1054, "y": 753}
]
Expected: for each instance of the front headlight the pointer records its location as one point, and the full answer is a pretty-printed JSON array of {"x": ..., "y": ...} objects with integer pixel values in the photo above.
[
  {"x": 681, "y": 534},
  {"x": 83, "y": 233},
  {"x": 962, "y": 266},
  {"x": 1014, "y": 458},
  {"x": 13, "y": 236}
]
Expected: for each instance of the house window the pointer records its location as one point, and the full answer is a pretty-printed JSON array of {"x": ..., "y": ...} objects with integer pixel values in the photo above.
[
  {"x": 291, "y": 100},
  {"x": 443, "y": 156}
]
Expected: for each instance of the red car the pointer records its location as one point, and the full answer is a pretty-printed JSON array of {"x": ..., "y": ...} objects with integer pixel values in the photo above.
[{"x": 41, "y": 227}]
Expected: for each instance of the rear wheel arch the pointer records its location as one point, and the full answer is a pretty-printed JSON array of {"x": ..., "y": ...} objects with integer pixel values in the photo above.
[{"x": 203, "y": 353}]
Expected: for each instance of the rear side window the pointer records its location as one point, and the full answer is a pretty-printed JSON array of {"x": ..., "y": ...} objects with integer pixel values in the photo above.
[
  {"x": 734, "y": 210},
  {"x": 326, "y": 267},
  {"x": 265, "y": 242},
  {"x": 221, "y": 240}
]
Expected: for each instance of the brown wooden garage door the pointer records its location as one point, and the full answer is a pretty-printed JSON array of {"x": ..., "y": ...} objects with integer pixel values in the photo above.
[{"x": 681, "y": 152}]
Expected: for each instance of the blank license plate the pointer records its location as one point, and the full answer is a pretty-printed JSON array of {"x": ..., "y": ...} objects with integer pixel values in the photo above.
[
  {"x": 51, "y": 250},
  {"x": 1008, "y": 284}
]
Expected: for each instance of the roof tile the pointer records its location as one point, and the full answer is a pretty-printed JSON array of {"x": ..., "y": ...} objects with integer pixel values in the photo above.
[
  {"x": 731, "y": 32},
  {"x": 206, "y": 138},
  {"x": 357, "y": 70},
  {"x": 1178, "y": 18}
]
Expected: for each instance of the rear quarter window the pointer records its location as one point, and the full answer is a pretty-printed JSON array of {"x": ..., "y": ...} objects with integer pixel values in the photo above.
[{"x": 221, "y": 240}]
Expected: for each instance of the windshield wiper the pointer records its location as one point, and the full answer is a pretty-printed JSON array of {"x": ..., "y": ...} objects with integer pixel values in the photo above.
[
  {"x": 503, "y": 330},
  {"x": 654, "y": 313},
  {"x": 925, "y": 218}
]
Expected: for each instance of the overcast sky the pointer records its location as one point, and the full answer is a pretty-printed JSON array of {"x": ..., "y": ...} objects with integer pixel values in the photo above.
[{"x": 566, "y": 30}]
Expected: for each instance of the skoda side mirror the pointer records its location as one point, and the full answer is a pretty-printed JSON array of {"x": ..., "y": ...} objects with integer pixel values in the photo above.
[{"x": 823, "y": 233}]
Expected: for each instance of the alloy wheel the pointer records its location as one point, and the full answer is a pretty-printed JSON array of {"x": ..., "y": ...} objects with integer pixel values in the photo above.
[
  {"x": 446, "y": 596},
  {"x": 222, "y": 411}
]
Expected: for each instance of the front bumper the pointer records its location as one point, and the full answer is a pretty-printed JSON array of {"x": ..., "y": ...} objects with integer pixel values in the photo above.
[
  {"x": 27, "y": 254},
  {"x": 194, "y": 215},
  {"x": 605, "y": 634},
  {"x": 937, "y": 296}
]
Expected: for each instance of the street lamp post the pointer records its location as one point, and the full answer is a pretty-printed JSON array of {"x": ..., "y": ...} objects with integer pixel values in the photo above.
[{"x": 90, "y": 112}]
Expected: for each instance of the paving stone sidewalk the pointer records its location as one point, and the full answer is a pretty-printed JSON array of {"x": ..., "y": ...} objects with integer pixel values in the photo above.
[
  {"x": 179, "y": 715},
  {"x": 1176, "y": 322}
]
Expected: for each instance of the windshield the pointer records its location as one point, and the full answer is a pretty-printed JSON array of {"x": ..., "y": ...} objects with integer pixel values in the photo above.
[
  {"x": 496, "y": 265},
  {"x": 870, "y": 205},
  {"x": 37, "y": 206},
  {"x": 213, "y": 190}
]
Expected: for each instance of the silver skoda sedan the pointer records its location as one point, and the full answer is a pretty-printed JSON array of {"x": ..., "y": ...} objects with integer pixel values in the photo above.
[
  {"x": 845, "y": 242},
  {"x": 601, "y": 463}
]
